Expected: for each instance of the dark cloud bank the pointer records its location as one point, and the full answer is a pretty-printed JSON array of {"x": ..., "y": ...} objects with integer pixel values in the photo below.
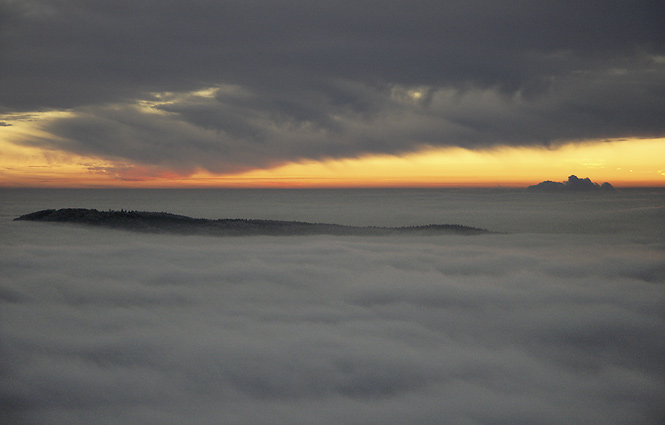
[
  {"x": 106, "y": 327},
  {"x": 308, "y": 80}
]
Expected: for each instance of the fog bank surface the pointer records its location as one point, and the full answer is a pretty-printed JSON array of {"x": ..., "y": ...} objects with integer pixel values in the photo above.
[{"x": 551, "y": 327}]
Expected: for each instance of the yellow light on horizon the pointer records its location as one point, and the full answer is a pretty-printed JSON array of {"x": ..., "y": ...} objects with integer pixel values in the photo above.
[
  {"x": 440, "y": 167},
  {"x": 620, "y": 162}
]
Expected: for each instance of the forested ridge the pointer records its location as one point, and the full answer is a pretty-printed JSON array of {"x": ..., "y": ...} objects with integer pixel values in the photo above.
[{"x": 158, "y": 222}]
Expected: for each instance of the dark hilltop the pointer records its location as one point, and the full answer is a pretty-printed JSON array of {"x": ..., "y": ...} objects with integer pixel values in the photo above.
[
  {"x": 574, "y": 184},
  {"x": 161, "y": 222}
]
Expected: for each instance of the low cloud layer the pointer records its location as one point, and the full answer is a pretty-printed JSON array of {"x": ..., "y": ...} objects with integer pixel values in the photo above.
[
  {"x": 228, "y": 86},
  {"x": 108, "y": 327}
]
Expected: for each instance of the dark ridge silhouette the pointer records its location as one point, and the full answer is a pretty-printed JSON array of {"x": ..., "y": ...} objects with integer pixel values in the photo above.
[
  {"x": 161, "y": 222},
  {"x": 574, "y": 184}
]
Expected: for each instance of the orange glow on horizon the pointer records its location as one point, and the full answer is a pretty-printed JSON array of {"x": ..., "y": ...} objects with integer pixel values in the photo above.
[{"x": 628, "y": 163}]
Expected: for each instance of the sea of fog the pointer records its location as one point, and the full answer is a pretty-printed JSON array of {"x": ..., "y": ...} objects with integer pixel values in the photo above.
[{"x": 559, "y": 319}]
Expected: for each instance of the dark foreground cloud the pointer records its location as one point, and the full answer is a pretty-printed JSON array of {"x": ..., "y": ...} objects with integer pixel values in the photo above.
[
  {"x": 489, "y": 329},
  {"x": 300, "y": 80}
]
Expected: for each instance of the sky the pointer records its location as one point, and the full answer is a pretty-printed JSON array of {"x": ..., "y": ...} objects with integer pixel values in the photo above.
[{"x": 138, "y": 93}]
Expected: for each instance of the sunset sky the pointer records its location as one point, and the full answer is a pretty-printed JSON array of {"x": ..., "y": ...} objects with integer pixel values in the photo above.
[{"x": 137, "y": 93}]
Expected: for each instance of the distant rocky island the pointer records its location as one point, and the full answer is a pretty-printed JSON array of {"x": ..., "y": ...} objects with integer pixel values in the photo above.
[
  {"x": 161, "y": 222},
  {"x": 574, "y": 184}
]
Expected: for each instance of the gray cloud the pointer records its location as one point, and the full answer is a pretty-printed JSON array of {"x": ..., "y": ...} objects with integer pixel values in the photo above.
[
  {"x": 114, "y": 327},
  {"x": 314, "y": 81},
  {"x": 278, "y": 331}
]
